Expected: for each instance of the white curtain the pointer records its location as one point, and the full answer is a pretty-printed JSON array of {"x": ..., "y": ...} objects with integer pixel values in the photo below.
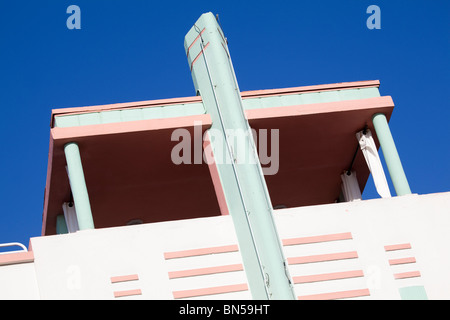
[
  {"x": 70, "y": 215},
  {"x": 370, "y": 153},
  {"x": 350, "y": 187}
]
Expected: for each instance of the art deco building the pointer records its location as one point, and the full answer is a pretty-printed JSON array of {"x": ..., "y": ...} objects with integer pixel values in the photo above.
[{"x": 231, "y": 195}]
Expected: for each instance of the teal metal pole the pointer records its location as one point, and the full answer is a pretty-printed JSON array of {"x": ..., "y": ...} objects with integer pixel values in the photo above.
[
  {"x": 61, "y": 226},
  {"x": 78, "y": 186},
  {"x": 390, "y": 154},
  {"x": 239, "y": 169}
]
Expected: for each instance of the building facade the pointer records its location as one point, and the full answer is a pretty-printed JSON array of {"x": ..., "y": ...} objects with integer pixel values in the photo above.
[{"x": 231, "y": 195}]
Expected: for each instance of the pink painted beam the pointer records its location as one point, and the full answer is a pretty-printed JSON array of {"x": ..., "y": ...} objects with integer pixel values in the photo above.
[
  {"x": 126, "y": 293},
  {"x": 394, "y": 247},
  {"x": 200, "y": 252},
  {"x": 320, "y": 238},
  {"x": 337, "y": 295},
  {"x": 323, "y": 257},
  {"x": 16, "y": 257},
  {"x": 328, "y": 276},
  {"x": 405, "y": 275},
  {"x": 402, "y": 261},
  {"x": 130, "y": 277},
  {"x": 205, "y": 271},
  {"x": 209, "y": 291}
]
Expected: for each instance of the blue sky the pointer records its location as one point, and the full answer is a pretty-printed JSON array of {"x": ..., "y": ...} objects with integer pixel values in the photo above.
[{"x": 133, "y": 50}]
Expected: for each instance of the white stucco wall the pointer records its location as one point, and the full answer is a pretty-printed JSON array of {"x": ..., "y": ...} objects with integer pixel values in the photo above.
[
  {"x": 18, "y": 281},
  {"x": 422, "y": 221},
  {"x": 80, "y": 265}
]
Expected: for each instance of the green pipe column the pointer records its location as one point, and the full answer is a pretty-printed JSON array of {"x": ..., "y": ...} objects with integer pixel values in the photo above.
[
  {"x": 243, "y": 181},
  {"x": 390, "y": 154},
  {"x": 61, "y": 226},
  {"x": 78, "y": 186}
]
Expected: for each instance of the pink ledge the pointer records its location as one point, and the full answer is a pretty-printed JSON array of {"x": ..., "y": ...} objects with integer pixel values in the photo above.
[
  {"x": 208, "y": 291},
  {"x": 17, "y": 257},
  {"x": 393, "y": 262},
  {"x": 130, "y": 277},
  {"x": 205, "y": 271},
  {"x": 323, "y": 257},
  {"x": 337, "y": 295},
  {"x": 328, "y": 276},
  {"x": 394, "y": 247},
  {"x": 200, "y": 252},
  {"x": 320, "y": 238},
  {"x": 405, "y": 275},
  {"x": 126, "y": 293}
]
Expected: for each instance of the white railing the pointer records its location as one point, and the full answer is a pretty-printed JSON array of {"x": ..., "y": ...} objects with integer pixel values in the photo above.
[{"x": 13, "y": 244}]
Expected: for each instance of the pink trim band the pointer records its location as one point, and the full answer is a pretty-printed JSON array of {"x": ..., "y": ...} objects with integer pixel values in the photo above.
[
  {"x": 126, "y": 293},
  {"x": 208, "y": 291},
  {"x": 195, "y": 40},
  {"x": 198, "y": 56},
  {"x": 323, "y": 257},
  {"x": 402, "y": 261},
  {"x": 318, "y": 108},
  {"x": 200, "y": 252},
  {"x": 205, "y": 271},
  {"x": 244, "y": 94},
  {"x": 405, "y": 275},
  {"x": 17, "y": 257},
  {"x": 71, "y": 133},
  {"x": 397, "y": 247},
  {"x": 337, "y": 295},
  {"x": 130, "y": 277},
  {"x": 315, "y": 239},
  {"x": 328, "y": 276}
]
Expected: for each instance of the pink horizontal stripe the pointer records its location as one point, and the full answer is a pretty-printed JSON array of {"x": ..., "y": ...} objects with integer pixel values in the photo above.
[
  {"x": 323, "y": 257},
  {"x": 321, "y": 238},
  {"x": 404, "y": 275},
  {"x": 195, "y": 40},
  {"x": 337, "y": 295},
  {"x": 401, "y": 246},
  {"x": 402, "y": 261},
  {"x": 198, "y": 56},
  {"x": 329, "y": 276},
  {"x": 124, "y": 278},
  {"x": 205, "y": 271},
  {"x": 59, "y": 135},
  {"x": 200, "y": 252},
  {"x": 208, "y": 291},
  {"x": 126, "y": 293},
  {"x": 16, "y": 257}
]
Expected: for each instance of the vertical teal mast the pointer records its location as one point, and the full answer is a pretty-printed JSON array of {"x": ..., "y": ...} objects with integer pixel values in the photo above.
[
  {"x": 390, "y": 154},
  {"x": 239, "y": 169},
  {"x": 78, "y": 186}
]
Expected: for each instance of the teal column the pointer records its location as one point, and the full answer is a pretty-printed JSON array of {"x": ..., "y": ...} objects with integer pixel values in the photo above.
[
  {"x": 78, "y": 186},
  {"x": 390, "y": 154},
  {"x": 239, "y": 168},
  {"x": 61, "y": 226}
]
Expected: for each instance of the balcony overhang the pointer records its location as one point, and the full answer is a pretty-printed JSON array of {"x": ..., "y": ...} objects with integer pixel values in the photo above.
[
  {"x": 130, "y": 175},
  {"x": 317, "y": 143}
]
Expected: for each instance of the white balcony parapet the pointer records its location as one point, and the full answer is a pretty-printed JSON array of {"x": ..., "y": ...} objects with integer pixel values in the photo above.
[{"x": 391, "y": 249}]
